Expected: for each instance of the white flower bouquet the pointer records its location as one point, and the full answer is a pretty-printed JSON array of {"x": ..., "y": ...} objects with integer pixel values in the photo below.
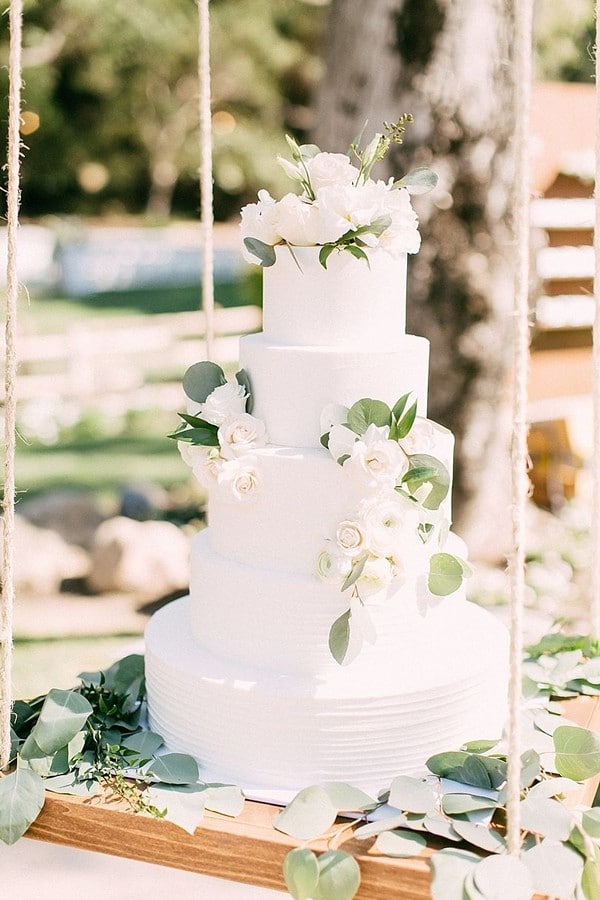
[{"x": 340, "y": 206}]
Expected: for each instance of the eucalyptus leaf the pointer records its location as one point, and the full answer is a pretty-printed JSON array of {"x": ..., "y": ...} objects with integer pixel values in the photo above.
[
  {"x": 441, "y": 827},
  {"x": 546, "y": 817},
  {"x": 479, "y": 746},
  {"x": 226, "y": 799},
  {"x": 243, "y": 378},
  {"x": 445, "y": 574},
  {"x": 372, "y": 829},
  {"x": 309, "y": 815},
  {"x": 530, "y": 768},
  {"x": 577, "y": 752},
  {"x": 357, "y": 252},
  {"x": 126, "y": 677},
  {"x": 346, "y": 797},
  {"x": 403, "y": 425},
  {"x": 355, "y": 572},
  {"x": 503, "y": 878},
  {"x": 440, "y": 482},
  {"x": 443, "y": 763},
  {"x": 301, "y": 873},
  {"x": 21, "y": 799},
  {"x": 449, "y": 868},
  {"x": 202, "y": 379},
  {"x": 143, "y": 744},
  {"x": 591, "y": 822},
  {"x": 339, "y": 876},
  {"x": 553, "y": 787},
  {"x": 458, "y": 804},
  {"x": 69, "y": 783},
  {"x": 325, "y": 252},
  {"x": 36, "y": 759},
  {"x": 400, "y": 843},
  {"x": 480, "y": 836},
  {"x": 555, "y": 868},
  {"x": 412, "y": 795},
  {"x": 339, "y": 638},
  {"x": 399, "y": 407},
  {"x": 418, "y": 181},
  {"x": 368, "y": 412},
  {"x": 175, "y": 768},
  {"x": 62, "y": 716},
  {"x": 590, "y": 878},
  {"x": 183, "y": 805},
  {"x": 264, "y": 253}
]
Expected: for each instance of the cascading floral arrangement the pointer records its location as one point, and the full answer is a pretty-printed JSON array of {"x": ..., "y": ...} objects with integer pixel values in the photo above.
[{"x": 340, "y": 206}]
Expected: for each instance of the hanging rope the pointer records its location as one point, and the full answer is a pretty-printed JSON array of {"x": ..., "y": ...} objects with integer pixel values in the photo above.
[
  {"x": 206, "y": 180},
  {"x": 12, "y": 292},
  {"x": 595, "y": 567},
  {"x": 519, "y": 457}
]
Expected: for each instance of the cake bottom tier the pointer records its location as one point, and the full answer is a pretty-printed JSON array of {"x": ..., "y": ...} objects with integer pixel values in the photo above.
[{"x": 252, "y": 727}]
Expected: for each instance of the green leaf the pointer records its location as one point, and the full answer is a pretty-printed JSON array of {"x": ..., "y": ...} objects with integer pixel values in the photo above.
[
  {"x": 355, "y": 572},
  {"x": 546, "y": 817},
  {"x": 357, "y": 252},
  {"x": 503, "y": 878},
  {"x": 407, "y": 421},
  {"x": 530, "y": 768},
  {"x": 143, "y": 744},
  {"x": 590, "y": 878},
  {"x": 399, "y": 407},
  {"x": 339, "y": 637},
  {"x": 400, "y": 843},
  {"x": 445, "y": 574},
  {"x": 202, "y": 379},
  {"x": 339, "y": 876},
  {"x": 441, "y": 827},
  {"x": 479, "y": 746},
  {"x": 458, "y": 804},
  {"x": 265, "y": 253},
  {"x": 577, "y": 752},
  {"x": 368, "y": 412},
  {"x": 440, "y": 481},
  {"x": 175, "y": 768},
  {"x": 371, "y": 829},
  {"x": 62, "y": 716},
  {"x": 555, "y": 868},
  {"x": 183, "y": 805},
  {"x": 325, "y": 252},
  {"x": 591, "y": 822},
  {"x": 553, "y": 787},
  {"x": 203, "y": 437},
  {"x": 418, "y": 181},
  {"x": 301, "y": 873},
  {"x": 551, "y": 644},
  {"x": 308, "y": 151},
  {"x": 309, "y": 815},
  {"x": 346, "y": 797},
  {"x": 243, "y": 378},
  {"x": 412, "y": 795},
  {"x": 450, "y": 867},
  {"x": 226, "y": 799},
  {"x": 480, "y": 836},
  {"x": 69, "y": 783},
  {"x": 21, "y": 799}
]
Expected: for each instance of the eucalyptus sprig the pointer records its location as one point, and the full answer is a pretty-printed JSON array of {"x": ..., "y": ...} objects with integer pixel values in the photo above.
[{"x": 378, "y": 147}]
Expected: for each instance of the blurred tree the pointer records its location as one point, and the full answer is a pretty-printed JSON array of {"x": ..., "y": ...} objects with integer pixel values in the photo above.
[
  {"x": 566, "y": 34},
  {"x": 446, "y": 62},
  {"x": 115, "y": 88}
]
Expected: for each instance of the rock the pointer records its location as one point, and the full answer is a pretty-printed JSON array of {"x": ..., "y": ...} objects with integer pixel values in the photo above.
[
  {"x": 43, "y": 560},
  {"x": 74, "y": 514},
  {"x": 141, "y": 501},
  {"x": 151, "y": 558}
]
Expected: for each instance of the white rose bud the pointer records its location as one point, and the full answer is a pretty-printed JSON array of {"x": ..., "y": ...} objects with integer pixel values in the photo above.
[
  {"x": 240, "y": 435},
  {"x": 378, "y": 460},
  {"x": 350, "y": 538},
  {"x": 333, "y": 566},
  {"x": 240, "y": 478},
  {"x": 223, "y": 403},
  {"x": 326, "y": 169}
]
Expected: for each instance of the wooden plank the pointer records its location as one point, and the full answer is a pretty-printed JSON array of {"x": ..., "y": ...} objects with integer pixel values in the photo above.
[{"x": 247, "y": 849}]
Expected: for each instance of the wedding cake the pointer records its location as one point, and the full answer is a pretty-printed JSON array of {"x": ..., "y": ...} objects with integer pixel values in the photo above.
[{"x": 326, "y": 636}]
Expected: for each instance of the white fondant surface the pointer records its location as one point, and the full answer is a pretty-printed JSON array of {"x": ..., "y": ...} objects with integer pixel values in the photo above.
[
  {"x": 302, "y": 498},
  {"x": 349, "y": 304},
  {"x": 292, "y": 385},
  {"x": 265, "y": 728}
]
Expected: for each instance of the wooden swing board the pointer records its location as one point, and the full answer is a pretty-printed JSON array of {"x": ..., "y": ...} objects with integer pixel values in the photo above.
[{"x": 246, "y": 849}]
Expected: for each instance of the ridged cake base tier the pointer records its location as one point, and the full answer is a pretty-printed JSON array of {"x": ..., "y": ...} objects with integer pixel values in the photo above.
[{"x": 255, "y": 727}]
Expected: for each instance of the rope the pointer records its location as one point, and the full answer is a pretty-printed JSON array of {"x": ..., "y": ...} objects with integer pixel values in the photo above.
[
  {"x": 519, "y": 456},
  {"x": 595, "y": 565},
  {"x": 206, "y": 181},
  {"x": 12, "y": 292}
]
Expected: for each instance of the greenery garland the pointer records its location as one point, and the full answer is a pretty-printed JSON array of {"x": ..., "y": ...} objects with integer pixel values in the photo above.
[{"x": 93, "y": 737}]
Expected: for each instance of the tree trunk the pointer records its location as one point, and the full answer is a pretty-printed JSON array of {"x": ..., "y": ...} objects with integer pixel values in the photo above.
[{"x": 447, "y": 63}]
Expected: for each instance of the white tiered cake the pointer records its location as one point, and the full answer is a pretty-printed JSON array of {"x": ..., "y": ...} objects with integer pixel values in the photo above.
[{"x": 241, "y": 674}]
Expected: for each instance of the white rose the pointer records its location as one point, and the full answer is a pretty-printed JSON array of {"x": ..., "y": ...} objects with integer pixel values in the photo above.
[
  {"x": 207, "y": 469},
  {"x": 333, "y": 565},
  {"x": 223, "y": 403},
  {"x": 350, "y": 538},
  {"x": 327, "y": 169},
  {"x": 241, "y": 435},
  {"x": 259, "y": 221},
  {"x": 375, "y": 577},
  {"x": 420, "y": 438},
  {"x": 298, "y": 221},
  {"x": 390, "y": 524},
  {"x": 333, "y": 414},
  {"x": 239, "y": 477},
  {"x": 349, "y": 206},
  {"x": 341, "y": 441},
  {"x": 402, "y": 236},
  {"x": 376, "y": 459}
]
